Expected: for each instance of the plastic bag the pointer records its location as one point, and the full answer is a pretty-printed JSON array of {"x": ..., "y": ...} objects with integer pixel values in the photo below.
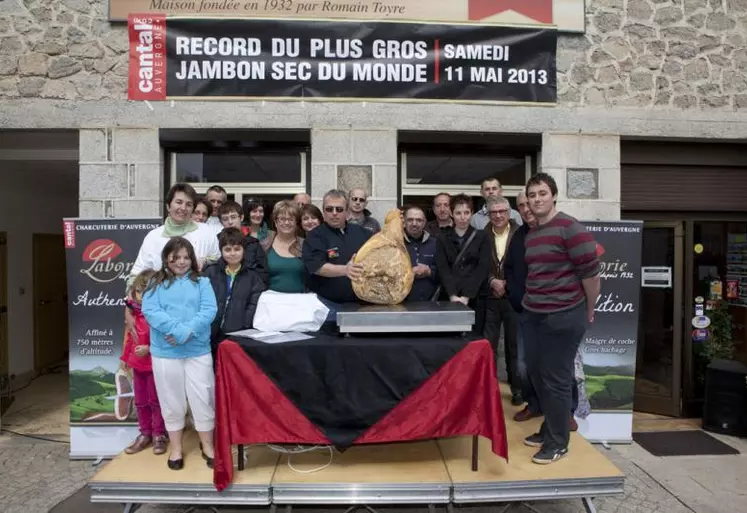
[{"x": 277, "y": 311}]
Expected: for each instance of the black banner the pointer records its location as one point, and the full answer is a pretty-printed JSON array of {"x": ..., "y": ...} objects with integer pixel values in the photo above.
[
  {"x": 609, "y": 347},
  {"x": 338, "y": 60},
  {"x": 100, "y": 255}
]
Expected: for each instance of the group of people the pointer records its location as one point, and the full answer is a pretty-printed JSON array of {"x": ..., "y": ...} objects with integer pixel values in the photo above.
[{"x": 199, "y": 276}]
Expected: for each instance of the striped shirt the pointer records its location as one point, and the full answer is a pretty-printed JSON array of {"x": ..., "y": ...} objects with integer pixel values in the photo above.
[{"x": 559, "y": 255}]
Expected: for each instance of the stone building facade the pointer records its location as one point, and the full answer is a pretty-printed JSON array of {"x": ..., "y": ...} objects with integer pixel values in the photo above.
[{"x": 644, "y": 68}]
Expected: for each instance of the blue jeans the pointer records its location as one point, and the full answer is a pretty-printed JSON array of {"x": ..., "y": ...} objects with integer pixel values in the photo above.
[
  {"x": 551, "y": 341},
  {"x": 527, "y": 390}
]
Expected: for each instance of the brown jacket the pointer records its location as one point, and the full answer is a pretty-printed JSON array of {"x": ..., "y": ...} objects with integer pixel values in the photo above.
[{"x": 496, "y": 269}]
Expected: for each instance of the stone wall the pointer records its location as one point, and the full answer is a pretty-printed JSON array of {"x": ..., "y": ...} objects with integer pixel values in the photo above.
[{"x": 676, "y": 54}]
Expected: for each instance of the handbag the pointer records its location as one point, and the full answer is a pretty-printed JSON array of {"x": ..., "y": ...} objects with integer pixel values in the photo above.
[{"x": 435, "y": 295}]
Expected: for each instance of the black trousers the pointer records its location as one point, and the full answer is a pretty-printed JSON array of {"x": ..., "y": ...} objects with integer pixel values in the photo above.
[
  {"x": 498, "y": 312},
  {"x": 551, "y": 342}
]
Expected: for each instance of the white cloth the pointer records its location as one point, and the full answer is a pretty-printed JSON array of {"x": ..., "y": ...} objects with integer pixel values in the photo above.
[
  {"x": 149, "y": 257},
  {"x": 278, "y": 311},
  {"x": 182, "y": 381},
  {"x": 214, "y": 223}
]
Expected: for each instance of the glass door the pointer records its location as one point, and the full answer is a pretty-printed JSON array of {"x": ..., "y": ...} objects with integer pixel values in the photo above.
[{"x": 659, "y": 352}]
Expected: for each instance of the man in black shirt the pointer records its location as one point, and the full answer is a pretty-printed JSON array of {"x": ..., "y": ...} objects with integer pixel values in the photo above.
[{"x": 328, "y": 252}]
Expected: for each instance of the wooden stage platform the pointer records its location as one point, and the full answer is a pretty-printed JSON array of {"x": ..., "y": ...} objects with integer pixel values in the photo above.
[{"x": 430, "y": 472}]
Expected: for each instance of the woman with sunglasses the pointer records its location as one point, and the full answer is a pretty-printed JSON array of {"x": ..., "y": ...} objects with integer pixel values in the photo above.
[{"x": 283, "y": 248}]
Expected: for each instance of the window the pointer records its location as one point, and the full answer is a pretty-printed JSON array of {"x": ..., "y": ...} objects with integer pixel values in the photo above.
[
  {"x": 267, "y": 176},
  {"x": 425, "y": 174}
]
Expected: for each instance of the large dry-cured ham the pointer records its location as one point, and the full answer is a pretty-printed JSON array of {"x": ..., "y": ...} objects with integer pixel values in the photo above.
[{"x": 387, "y": 270}]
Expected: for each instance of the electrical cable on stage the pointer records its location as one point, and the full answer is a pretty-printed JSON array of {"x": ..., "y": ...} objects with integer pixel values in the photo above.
[{"x": 300, "y": 449}]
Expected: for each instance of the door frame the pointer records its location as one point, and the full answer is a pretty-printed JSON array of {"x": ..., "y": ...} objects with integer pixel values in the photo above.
[
  {"x": 672, "y": 405},
  {"x": 35, "y": 260},
  {"x": 4, "y": 341}
]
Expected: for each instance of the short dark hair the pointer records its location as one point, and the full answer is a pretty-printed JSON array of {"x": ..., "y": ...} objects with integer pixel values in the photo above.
[
  {"x": 441, "y": 194},
  {"x": 230, "y": 237},
  {"x": 181, "y": 187},
  {"x": 206, "y": 204},
  {"x": 217, "y": 188},
  {"x": 230, "y": 207},
  {"x": 462, "y": 199},
  {"x": 250, "y": 205},
  {"x": 541, "y": 178}
]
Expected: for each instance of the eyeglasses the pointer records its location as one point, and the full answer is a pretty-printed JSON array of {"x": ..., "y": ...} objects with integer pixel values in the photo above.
[
  {"x": 339, "y": 210},
  {"x": 285, "y": 220},
  {"x": 232, "y": 217},
  {"x": 358, "y": 200},
  {"x": 498, "y": 212}
]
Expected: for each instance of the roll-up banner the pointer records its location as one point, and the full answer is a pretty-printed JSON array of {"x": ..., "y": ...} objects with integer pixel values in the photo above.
[
  {"x": 99, "y": 256},
  {"x": 227, "y": 58},
  {"x": 608, "y": 350}
]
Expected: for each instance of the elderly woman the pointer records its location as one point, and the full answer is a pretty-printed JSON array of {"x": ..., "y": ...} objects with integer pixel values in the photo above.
[{"x": 283, "y": 248}]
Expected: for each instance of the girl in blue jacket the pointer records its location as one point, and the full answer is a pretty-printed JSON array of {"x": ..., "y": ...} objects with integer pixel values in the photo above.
[{"x": 179, "y": 306}]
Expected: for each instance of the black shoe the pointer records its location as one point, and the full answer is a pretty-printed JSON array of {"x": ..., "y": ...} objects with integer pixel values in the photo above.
[
  {"x": 547, "y": 456},
  {"x": 535, "y": 440},
  {"x": 208, "y": 461},
  {"x": 176, "y": 464},
  {"x": 516, "y": 399}
]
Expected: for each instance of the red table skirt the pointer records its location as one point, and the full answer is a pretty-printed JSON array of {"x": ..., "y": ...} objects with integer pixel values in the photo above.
[{"x": 461, "y": 398}]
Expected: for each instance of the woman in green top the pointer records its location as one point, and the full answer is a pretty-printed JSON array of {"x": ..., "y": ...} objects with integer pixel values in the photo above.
[{"x": 283, "y": 247}]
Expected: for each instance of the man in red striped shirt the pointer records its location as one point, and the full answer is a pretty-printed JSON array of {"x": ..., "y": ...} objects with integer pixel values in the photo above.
[{"x": 561, "y": 292}]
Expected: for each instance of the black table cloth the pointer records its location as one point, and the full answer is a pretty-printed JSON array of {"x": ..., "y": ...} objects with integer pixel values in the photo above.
[{"x": 339, "y": 391}]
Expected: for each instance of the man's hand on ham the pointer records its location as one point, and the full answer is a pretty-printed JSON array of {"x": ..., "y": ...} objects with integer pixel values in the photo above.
[
  {"x": 498, "y": 287},
  {"x": 421, "y": 271},
  {"x": 353, "y": 271}
]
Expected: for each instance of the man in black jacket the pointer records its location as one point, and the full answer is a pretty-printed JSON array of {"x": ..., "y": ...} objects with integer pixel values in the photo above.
[
  {"x": 421, "y": 246},
  {"x": 499, "y": 312},
  {"x": 237, "y": 287}
]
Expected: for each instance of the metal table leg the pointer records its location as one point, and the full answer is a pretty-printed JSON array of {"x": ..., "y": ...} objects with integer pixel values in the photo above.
[
  {"x": 240, "y": 456},
  {"x": 589, "y": 505},
  {"x": 474, "y": 453}
]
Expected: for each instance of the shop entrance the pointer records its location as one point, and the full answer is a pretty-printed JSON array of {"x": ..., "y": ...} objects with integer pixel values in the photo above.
[{"x": 659, "y": 353}]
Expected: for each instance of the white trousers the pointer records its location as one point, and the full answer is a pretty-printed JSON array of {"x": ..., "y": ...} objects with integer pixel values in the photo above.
[{"x": 181, "y": 381}]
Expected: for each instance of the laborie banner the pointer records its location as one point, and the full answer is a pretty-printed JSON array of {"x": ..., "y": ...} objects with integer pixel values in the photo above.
[
  {"x": 609, "y": 347},
  {"x": 219, "y": 58},
  {"x": 566, "y": 15},
  {"x": 99, "y": 256}
]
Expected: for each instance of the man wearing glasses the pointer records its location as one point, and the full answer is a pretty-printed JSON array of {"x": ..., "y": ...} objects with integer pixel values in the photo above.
[
  {"x": 498, "y": 311},
  {"x": 231, "y": 215},
  {"x": 328, "y": 254},
  {"x": 359, "y": 214},
  {"x": 491, "y": 188}
]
